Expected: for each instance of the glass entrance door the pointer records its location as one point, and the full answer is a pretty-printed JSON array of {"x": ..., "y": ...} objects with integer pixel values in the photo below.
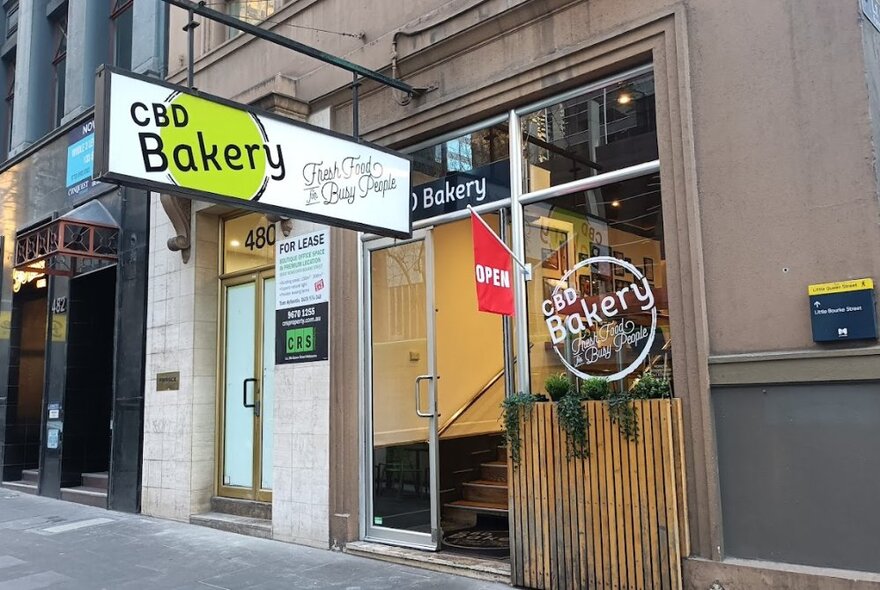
[
  {"x": 402, "y": 449},
  {"x": 247, "y": 396}
]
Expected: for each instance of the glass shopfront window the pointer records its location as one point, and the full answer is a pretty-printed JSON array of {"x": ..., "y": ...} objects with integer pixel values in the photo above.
[
  {"x": 597, "y": 132},
  {"x": 248, "y": 242},
  {"x": 460, "y": 154},
  {"x": 597, "y": 302},
  {"x": 622, "y": 325},
  {"x": 471, "y": 169}
]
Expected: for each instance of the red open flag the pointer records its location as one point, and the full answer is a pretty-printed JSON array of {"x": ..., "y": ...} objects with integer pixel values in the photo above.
[{"x": 492, "y": 270}]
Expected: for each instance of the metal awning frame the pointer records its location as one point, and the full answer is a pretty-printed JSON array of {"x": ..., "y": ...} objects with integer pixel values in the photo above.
[{"x": 61, "y": 243}]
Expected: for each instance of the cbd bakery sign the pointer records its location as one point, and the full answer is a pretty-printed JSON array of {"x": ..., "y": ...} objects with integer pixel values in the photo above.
[
  {"x": 587, "y": 331},
  {"x": 166, "y": 138}
]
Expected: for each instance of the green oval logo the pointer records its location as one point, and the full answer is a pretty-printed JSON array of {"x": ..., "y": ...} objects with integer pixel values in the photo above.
[{"x": 220, "y": 149}]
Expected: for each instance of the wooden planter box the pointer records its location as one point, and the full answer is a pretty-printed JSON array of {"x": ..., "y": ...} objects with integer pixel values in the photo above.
[{"x": 615, "y": 520}]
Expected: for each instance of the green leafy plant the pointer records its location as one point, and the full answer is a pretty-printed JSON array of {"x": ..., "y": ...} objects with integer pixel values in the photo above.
[
  {"x": 650, "y": 387},
  {"x": 595, "y": 389},
  {"x": 514, "y": 408},
  {"x": 622, "y": 411},
  {"x": 557, "y": 386},
  {"x": 573, "y": 419}
]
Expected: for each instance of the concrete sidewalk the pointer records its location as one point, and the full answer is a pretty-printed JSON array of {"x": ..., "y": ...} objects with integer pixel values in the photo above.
[{"x": 47, "y": 543}]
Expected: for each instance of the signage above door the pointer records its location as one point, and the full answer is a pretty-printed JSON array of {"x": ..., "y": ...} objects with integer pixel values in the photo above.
[
  {"x": 457, "y": 190},
  {"x": 165, "y": 138}
]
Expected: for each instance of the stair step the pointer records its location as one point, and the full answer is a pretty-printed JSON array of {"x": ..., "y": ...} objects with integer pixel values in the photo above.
[
  {"x": 85, "y": 495},
  {"x": 95, "y": 480},
  {"x": 494, "y": 470},
  {"x": 30, "y": 475},
  {"x": 24, "y": 487},
  {"x": 485, "y": 490},
  {"x": 248, "y": 508},
  {"x": 494, "y": 508},
  {"x": 491, "y": 570},
  {"x": 233, "y": 523}
]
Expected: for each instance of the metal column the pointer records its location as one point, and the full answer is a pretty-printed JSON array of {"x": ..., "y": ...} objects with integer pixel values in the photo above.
[{"x": 517, "y": 230}]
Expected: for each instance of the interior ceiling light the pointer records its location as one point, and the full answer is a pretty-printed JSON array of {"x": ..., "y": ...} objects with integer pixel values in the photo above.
[
  {"x": 624, "y": 98},
  {"x": 615, "y": 203},
  {"x": 234, "y": 243}
]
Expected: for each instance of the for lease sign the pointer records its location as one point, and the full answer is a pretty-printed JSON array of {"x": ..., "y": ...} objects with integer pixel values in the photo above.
[{"x": 166, "y": 138}]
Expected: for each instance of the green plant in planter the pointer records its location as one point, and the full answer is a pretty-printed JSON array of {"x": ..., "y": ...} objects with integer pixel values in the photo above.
[
  {"x": 557, "y": 386},
  {"x": 595, "y": 389},
  {"x": 514, "y": 408},
  {"x": 650, "y": 387},
  {"x": 573, "y": 419}
]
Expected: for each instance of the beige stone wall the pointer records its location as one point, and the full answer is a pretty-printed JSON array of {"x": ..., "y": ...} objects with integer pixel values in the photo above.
[
  {"x": 767, "y": 150},
  {"x": 178, "y": 464},
  {"x": 300, "y": 500},
  {"x": 180, "y": 426}
]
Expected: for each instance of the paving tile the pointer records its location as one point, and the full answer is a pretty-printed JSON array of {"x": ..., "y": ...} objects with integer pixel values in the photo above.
[{"x": 133, "y": 552}]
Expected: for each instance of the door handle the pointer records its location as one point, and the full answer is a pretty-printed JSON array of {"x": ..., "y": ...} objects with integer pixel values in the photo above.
[
  {"x": 244, "y": 392},
  {"x": 419, "y": 411}
]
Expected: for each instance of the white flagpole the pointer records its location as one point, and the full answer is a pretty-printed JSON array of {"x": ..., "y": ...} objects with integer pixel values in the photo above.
[{"x": 525, "y": 266}]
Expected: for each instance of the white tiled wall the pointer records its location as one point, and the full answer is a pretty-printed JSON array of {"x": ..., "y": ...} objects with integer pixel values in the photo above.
[
  {"x": 300, "y": 505},
  {"x": 180, "y": 426},
  {"x": 181, "y": 336}
]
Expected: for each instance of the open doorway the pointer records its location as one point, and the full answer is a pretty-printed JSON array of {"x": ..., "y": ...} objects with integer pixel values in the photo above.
[
  {"x": 438, "y": 471},
  {"x": 27, "y": 374},
  {"x": 88, "y": 400}
]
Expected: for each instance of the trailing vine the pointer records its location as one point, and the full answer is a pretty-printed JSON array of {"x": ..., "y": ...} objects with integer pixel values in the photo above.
[
  {"x": 514, "y": 408},
  {"x": 622, "y": 411},
  {"x": 573, "y": 419},
  {"x": 572, "y": 414}
]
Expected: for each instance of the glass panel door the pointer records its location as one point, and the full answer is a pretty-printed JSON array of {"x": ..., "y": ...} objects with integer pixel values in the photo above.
[
  {"x": 402, "y": 455},
  {"x": 248, "y": 370},
  {"x": 267, "y": 392},
  {"x": 240, "y": 386}
]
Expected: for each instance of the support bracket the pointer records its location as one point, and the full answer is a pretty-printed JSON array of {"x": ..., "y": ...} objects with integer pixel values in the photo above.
[{"x": 179, "y": 211}]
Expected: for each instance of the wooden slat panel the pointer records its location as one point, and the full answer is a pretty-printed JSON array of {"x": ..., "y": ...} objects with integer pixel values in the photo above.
[
  {"x": 627, "y": 549},
  {"x": 662, "y": 524},
  {"x": 611, "y": 440},
  {"x": 546, "y": 493},
  {"x": 681, "y": 483},
  {"x": 597, "y": 563},
  {"x": 580, "y": 502},
  {"x": 671, "y": 495},
  {"x": 614, "y": 520},
  {"x": 557, "y": 532},
  {"x": 537, "y": 433},
  {"x": 635, "y": 501}
]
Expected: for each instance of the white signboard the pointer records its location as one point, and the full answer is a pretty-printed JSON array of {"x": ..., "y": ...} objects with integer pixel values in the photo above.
[
  {"x": 165, "y": 138},
  {"x": 302, "y": 296}
]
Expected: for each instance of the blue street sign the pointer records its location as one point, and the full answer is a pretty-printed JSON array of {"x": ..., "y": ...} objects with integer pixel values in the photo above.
[{"x": 843, "y": 315}]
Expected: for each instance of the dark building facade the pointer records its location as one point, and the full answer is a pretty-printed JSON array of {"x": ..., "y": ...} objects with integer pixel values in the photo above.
[{"x": 73, "y": 289}]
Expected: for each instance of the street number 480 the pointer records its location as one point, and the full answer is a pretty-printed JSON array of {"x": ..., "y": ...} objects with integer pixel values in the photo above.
[{"x": 260, "y": 237}]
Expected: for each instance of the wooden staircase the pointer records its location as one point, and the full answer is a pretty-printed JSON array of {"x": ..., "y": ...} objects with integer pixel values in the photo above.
[{"x": 486, "y": 496}]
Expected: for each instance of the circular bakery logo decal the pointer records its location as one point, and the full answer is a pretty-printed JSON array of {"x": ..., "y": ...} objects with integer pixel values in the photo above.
[{"x": 587, "y": 331}]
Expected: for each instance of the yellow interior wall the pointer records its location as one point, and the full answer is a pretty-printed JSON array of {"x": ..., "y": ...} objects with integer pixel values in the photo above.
[
  {"x": 469, "y": 346},
  {"x": 469, "y": 341}
]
